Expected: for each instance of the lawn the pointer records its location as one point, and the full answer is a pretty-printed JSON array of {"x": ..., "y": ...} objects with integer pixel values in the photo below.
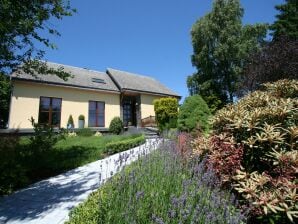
[
  {"x": 21, "y": 164},
  {"x": 159, "y": 188}
]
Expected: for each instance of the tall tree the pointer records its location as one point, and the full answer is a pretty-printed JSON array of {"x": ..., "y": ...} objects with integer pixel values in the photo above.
[
  {"x": 221, "y": 46},
  {"x": 287, "y": 20},
  {"x": 21, "y": 23},
  {"x": 5, "y": 90},
  {"x": 278, "y": 59}
]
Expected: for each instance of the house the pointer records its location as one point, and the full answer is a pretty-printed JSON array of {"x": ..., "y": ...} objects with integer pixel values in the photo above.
[{"x": 99, "y": 96}]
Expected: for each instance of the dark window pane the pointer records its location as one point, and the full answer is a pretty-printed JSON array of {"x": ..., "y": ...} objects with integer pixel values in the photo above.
[
  {"x": 96, "y": 114},
  {"x": 45, "y": 103},
  {"x": 92, "y": 105},
  {"x": 100, "y": 121},
  {"x": 56, "y": 104},
  {"x": 92, "y": 120},
  {"x": 56, "y": 118},
  {"x": 50, "y": 108},
  {"x": 43, "y": 118},
  {"x": 101, "y": 107}
]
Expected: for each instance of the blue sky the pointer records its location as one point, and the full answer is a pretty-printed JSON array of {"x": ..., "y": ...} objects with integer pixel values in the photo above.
[{"x": 140, "y": 36}]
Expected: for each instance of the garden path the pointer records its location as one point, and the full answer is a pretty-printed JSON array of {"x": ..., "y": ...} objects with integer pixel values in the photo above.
[{"x": 50, "y": 201}]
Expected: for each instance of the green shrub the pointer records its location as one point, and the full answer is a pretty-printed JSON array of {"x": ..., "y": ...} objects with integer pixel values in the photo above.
[
  {"x": 70, "y": 121},
  {"x": 44, "y": 138},
  {"x": 194, "y": 112},
  {"x": 114, "y": 147},
  {"x": 12, "y": 170},
  {"x": 116, "y": 126},
  {"x": 82, "y": 117},
  {"x": 166, "y": 112},
  {"x": 259, "y": 135},
  {"x": 86, "y": 132}
]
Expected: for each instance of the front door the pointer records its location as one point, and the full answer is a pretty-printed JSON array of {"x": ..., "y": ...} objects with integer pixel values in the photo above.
[{"x": 128, "y": 113}]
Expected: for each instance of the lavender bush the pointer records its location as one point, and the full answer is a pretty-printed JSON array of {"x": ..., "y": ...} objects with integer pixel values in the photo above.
[{"x": 160, "y": 187}]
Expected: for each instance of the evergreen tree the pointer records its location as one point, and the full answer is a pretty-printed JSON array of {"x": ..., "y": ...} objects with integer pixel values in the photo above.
[
  {"x": 221, "y": 45},
  {"x": 287, "y": 21}
]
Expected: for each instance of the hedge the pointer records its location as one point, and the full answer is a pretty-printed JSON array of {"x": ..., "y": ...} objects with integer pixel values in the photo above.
[{"x": 114, "y": 147}]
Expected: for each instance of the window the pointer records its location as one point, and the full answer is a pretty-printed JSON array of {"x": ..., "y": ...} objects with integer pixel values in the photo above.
[
  {"x": 50, "y": 111},
  {"x": 96, "y": 114},
  {"x": 98, "y": 80}
]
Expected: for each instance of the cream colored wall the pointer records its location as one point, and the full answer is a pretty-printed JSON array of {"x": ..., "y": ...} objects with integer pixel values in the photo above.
[
  {"x": 26, "y": 96},
  {"x": 147, "y": 107}
]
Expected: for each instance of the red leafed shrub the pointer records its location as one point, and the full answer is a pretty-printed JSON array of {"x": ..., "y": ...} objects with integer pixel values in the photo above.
[
  {"x": 184, "y": 144},
  {"x": 225, "y": 157}
]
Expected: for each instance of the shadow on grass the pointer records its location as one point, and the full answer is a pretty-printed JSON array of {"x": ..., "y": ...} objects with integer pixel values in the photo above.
[
  {"x": 41, "y": 197},
  {"x": 59, "y": 160}
]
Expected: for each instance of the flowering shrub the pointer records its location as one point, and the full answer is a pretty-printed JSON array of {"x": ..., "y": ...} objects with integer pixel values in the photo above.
[
  {"x": 259, "y": 159},
  {"x": 225, "y": 157},
  {"x": 160, "y": 188}
]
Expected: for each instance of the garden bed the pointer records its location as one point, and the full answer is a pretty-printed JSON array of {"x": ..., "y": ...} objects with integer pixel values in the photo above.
[{"x": 159, "y": 188}]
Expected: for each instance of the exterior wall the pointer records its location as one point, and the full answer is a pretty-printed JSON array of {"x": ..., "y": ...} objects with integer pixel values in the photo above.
[
  {"x": 147, "y": 107},
  {"x": 26, "y": 96}
]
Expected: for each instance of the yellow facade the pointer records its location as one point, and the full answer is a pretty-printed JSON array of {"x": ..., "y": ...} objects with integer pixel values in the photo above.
[
  {"x": 147, "y": 107},
  {"x": 26, "y": 96}
]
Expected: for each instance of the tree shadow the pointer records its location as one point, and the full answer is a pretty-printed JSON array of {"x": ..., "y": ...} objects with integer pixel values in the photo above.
[{"x": 41, "y": 198}]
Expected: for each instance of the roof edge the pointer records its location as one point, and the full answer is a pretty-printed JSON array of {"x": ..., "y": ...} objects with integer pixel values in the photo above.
[
  {"x": 64, "y": 85},
  {"x": 153, "y": 93},
  {"x": 114, "y": 80}
]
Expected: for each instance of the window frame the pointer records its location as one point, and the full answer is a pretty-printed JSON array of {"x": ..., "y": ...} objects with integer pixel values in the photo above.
[
  {"x": 97, "y": 113},
  {"x": 50, "y": 111}
]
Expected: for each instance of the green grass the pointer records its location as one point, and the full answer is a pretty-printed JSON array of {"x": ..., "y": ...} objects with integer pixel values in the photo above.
[
  {"x": 76, "y": 151},
  {"x": 160, "y": 188},
  {"x": 20, "y": 165}
]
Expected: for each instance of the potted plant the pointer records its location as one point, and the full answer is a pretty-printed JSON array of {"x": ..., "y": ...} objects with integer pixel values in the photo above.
[
  {"x": 81, "y": 121},
  {"x": 70, "y": 123}
]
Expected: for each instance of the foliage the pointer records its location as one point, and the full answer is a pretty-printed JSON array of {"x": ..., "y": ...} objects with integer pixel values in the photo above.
[
  {"x": 221, "y": 46},
  {"x": 114, "y": 147},
  {"x": 20, "y": 31},
  {"x": 225, "y": 157},
  {"x": 98, "y": 134},
  {"x": 44, "y": 138},
  {"x": 12, "y": 171},
  {"x": 260, "y": 134},
  {"x": 194, "y": 111},
  {"x": 5, "y": 91},
  {"x": 116, "y": 126},
  {"x": 159, "y": 188},
  {"x": 20, "y": 166},
  {"x": 82, "y": 117},
  {"x": 166, "y": 112},
  {"x": 71, "y": 134},
  {"x": 287, "y": 21},
  {"x": 277, "y": 60},
  {"x": 85, "y": 132},
  {"x": 70, "y": 121}
]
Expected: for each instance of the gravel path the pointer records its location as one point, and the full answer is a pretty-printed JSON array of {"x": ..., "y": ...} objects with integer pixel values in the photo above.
[{"x": 49, "y": 201}]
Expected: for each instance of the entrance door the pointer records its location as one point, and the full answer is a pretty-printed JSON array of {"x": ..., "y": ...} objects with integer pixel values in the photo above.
[{"x": 128, "y": 113}]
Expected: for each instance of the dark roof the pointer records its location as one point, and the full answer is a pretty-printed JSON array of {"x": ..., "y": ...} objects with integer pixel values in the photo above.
[
  {"x": 113, "y": 80},
  {"x": 129, "y": 81},
  {"x": 81, "y": 78}
]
